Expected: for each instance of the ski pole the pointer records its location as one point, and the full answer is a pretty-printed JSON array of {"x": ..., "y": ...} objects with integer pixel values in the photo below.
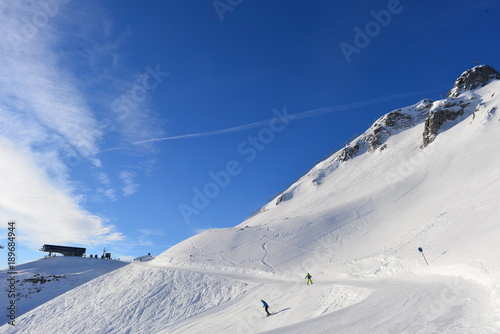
[{"x": 422, "y": 251}]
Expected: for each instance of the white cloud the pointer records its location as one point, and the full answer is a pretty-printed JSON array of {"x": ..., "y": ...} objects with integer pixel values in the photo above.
[
  {"x": 130, "y": 186},
  {"x": 156, "y": 232},
  {"x": 104, "y": 179},
  {"x": 109, "y": 193},
  {"x": 146, "y": 233},
  {"x": 44, "y": 212},
  {"x": 106, "y": 190},
  {"x": 52, "y": 122}
]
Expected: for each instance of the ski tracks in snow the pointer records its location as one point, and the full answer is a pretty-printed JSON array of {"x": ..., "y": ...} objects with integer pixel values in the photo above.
[{"x": 264, "y": 258}]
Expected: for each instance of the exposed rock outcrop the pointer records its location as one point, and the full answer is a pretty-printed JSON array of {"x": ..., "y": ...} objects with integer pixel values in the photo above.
[
  {"x": 348, "y": 152},
  {"x": 381, "y": 130},
  {"x": 449, "y": 110},
  {"x": 476, "y": 77},
  {"x": 389, "y": 124}
]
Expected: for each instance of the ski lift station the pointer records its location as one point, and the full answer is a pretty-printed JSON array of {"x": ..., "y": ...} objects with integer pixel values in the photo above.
[{"x": 64, "y": 250}]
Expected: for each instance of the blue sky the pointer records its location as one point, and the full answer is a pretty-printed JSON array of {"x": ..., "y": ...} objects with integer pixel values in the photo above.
[{"x": 133, "y": 125}]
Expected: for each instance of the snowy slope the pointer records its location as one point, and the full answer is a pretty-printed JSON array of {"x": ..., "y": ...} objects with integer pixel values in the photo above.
[
  {"x": 45, "y": 279},
  {"x": 355, "y": 222}
]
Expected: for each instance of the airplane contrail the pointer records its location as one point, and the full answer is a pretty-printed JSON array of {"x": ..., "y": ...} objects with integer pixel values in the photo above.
[{"x": 289, "y": 117}]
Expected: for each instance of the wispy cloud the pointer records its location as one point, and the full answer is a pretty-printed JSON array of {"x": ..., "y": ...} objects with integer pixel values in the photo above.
[
  {"x": 130, "y": 186},
  {"x": 143, "y": 239},
  {"x": 108, "y": 193},
  {"x": 106, "y": 189},
  {"x": 198, "y": 230},
  {"x": 146, "y": 234},
  {"x": 51, "y": 121},
  {"x": 104, "y": 179},
  {"x": 156, "y": 232}
]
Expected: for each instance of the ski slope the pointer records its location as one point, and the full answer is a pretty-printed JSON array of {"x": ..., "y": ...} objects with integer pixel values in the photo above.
[
  {"x": 355, "y": 224},
  {"x": 45, "y": 279}
]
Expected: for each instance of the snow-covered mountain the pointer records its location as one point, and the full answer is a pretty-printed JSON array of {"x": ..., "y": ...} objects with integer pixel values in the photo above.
[{"x": 424, "y": 176}]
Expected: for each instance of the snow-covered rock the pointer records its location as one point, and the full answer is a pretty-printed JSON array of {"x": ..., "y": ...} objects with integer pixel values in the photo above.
[{"x": 476, "y": 77}]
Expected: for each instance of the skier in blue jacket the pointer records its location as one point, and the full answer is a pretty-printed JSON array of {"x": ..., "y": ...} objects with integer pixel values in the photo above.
[{"x": 266, "y": 307}]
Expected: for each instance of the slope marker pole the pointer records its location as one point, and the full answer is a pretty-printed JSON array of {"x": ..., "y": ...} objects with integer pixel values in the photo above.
[{"x": 422, "y": 251}]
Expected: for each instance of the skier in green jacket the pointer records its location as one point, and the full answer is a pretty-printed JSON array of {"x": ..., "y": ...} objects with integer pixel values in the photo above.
[{"x": 309, "y": 279}]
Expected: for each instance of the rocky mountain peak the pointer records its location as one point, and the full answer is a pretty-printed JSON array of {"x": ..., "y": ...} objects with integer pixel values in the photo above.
[{"x": 474, "y": 78}]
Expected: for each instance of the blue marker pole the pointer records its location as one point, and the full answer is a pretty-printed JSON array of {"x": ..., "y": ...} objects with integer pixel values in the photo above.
[{"x": 422, "y": 251}]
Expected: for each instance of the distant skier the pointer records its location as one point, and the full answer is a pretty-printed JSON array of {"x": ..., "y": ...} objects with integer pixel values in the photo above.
[
  {"x": 309, "y": 279},
  {"x": 266, "y": 307}
]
